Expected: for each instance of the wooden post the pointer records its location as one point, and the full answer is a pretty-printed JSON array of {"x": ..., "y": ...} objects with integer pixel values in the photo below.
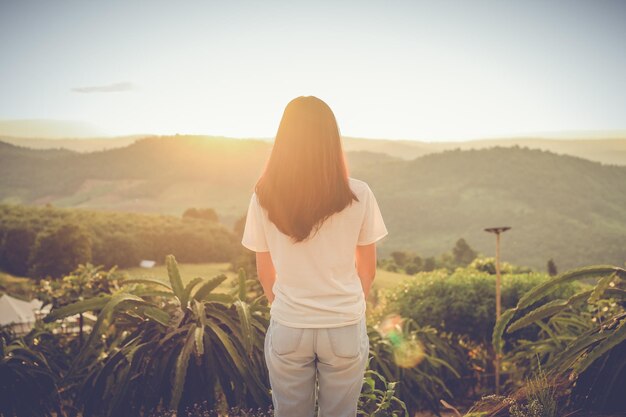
[{"x": 496, "y": 359}]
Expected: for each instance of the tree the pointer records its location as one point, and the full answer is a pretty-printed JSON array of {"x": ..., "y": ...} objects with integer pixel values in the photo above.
[
  {"x": 16, "y": 249},
  {"x": 430, "y": 264},
  {"x": 399, "y": 257},
  {"x": 121, "y": 249},
  {"x": 59, "y": 251},
  {"x": 463, "y": 253},
  {"x": 552, "y": 271},
  {"x": 239, "y": 226},
  {"x": 206, "y": 214},
  {"x": 418, "y": 262},
  {"x": 411, "y": 269}
]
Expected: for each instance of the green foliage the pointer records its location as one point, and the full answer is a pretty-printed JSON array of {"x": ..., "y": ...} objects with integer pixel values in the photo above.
[
  {"x": 59, "y": 250},
  {"x": 376, "y": 401},
  {"x": 488, "y": 265},
  {"x": 117, "y": 248},
  {"x": 584, "y": 334},
  {"x": 461, "y": 302},
  {"x": 85, "y": 288},
  {"x": 15, "y": 249},
  {"x": 555, "y": 204},
  {"x": 85, "y": 282},
  {"x": 461, "y": 255},
  {"x": 27, "y": 383},
  {"x": 436, "y": 376},
  {"x": 48, "y": 241},
  {"x": 173, "y": 349}
]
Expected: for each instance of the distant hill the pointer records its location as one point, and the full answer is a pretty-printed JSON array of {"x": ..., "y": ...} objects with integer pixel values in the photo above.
[
  {"x": 561, "y": 207},
  {"x": 605, "y": 147},
  {"x": 608, "y": 150},
  {"x": 46, "y": 128},
  {"x": 77, "y": 145}
]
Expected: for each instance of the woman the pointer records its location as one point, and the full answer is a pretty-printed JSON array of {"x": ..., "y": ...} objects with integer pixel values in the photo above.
[{"x": 314, "y": 231}]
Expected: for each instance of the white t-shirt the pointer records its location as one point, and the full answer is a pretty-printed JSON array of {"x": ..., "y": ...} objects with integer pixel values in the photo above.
[{"x": 317, "y": 284}]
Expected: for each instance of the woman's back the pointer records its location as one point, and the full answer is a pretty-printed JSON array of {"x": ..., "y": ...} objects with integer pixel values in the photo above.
[
  {"x": 313, "y": 229},
  {"x": 317, "y": 284}
]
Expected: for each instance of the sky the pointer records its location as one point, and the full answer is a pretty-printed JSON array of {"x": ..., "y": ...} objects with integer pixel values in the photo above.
[{"x": 421, "y": 70}]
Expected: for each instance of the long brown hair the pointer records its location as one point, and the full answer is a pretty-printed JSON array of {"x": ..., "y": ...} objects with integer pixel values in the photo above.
[{"x": 305, "y": 180}]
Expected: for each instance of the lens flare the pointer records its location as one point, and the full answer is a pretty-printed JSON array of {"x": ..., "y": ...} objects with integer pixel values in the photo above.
[{"x": 407, "y": 351}]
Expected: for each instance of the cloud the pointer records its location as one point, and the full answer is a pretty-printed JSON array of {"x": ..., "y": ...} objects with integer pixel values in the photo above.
[{"x": 109, "y": 88}]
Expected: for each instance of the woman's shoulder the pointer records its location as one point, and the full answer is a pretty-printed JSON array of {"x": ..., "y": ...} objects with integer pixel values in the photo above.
[{"x": 358, "y": 186}]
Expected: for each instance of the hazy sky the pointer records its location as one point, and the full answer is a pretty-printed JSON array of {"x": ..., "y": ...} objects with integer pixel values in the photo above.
[{"x": 389, "y": 69}]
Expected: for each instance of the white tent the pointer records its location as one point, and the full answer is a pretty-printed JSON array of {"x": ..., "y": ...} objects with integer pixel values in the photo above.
[
  {"x": 146, "y": 263},
  {"x": 21, "y": 315}
]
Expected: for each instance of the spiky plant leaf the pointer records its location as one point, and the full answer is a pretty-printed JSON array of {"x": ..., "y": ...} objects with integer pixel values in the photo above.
[
  {"x": 601, "y": 287},
  {"x": 157, "y": 314},
  {"x": 565, "y": 359},
  {"x": 616, "y": 337},
  {"x": 199, "y": 339},
  {"x": 191, "y": 285},
  {"x": 175, "y": 280},
  {"x": 180, "y": 372},
  {"x": 103, "y": 318},
  {"x": 225, "y": 299},
  {"x": 547, "y": 310},
  {"x": 245, "y": 318},
  {"x": 91, "y": 304},
  {"x": 242, "y": 284},
  {"x": 148, "y": 281},
  {"x": 546, "y": 288},
  {"x": 205, "y": 289},
  {"x": 615, "y": 293},
  {"x": 499, "y": 327},
  {"x": 150, "y": 292},
  {"x": 235, "y": 357}
]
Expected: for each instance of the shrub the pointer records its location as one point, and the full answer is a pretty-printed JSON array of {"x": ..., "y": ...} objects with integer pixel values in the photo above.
[{"x": 462, "y": 302}]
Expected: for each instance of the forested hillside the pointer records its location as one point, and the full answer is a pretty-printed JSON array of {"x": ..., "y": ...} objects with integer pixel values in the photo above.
[{"x": 561, "y": 207}]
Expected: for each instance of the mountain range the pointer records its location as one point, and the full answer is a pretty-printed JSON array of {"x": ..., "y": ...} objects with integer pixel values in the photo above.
[{"x": 558, "y": 206}]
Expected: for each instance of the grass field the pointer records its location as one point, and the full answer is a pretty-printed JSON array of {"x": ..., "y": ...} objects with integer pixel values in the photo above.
[
  {"x": 387, "y": 279},
  {"x": 18, "y": 287}
]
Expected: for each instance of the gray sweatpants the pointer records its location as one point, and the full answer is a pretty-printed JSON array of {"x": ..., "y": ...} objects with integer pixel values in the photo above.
[{"x": 295, "y": 357}]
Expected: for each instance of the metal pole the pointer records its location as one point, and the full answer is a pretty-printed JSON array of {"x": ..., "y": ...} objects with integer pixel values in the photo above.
[
  {"x": 498, "y": 308},
  {"x": 496, "y": 359}
]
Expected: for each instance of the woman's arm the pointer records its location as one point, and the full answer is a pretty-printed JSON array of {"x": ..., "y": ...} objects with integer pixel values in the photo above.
[
  {"x": 366, "y": 266},
  {"x": 266, "y": 272}
]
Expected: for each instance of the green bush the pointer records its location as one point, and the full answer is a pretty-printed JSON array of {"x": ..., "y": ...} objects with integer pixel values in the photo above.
[{"x": 463, "y": 302}]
